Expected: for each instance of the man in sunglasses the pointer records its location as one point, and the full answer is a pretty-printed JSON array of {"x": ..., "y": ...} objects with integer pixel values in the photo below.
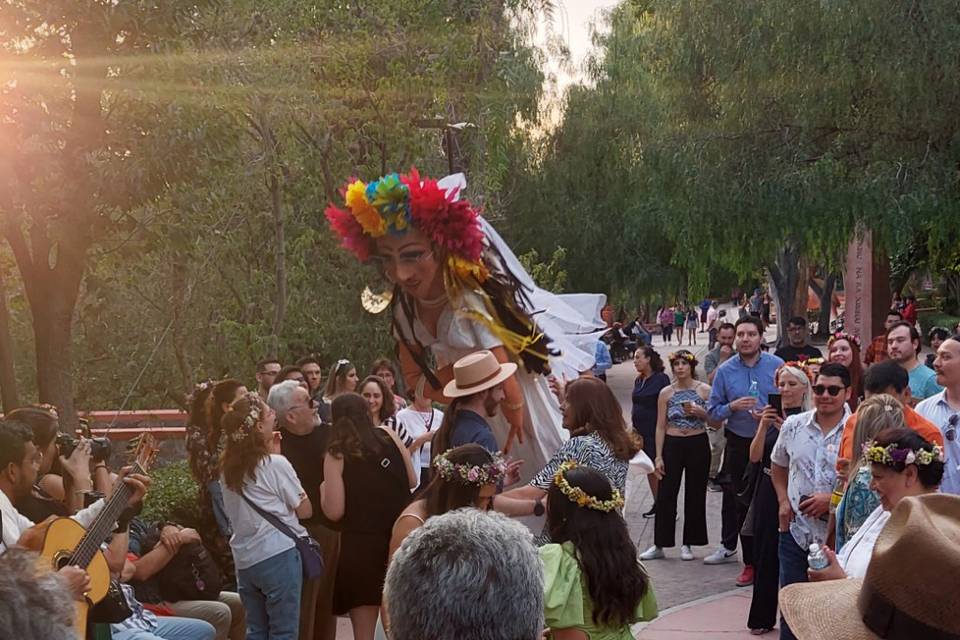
[
  {"x": 943, "y": 410},
  {"x": 803, "y": 472}
]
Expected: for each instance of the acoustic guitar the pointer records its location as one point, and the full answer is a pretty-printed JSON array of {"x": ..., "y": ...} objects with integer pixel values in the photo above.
[{"x": 67, "y": 543}]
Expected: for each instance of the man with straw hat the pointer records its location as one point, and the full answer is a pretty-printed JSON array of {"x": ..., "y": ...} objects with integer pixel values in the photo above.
[
  {"x": 909, "y": 591},
  {"x": 477, "y": 391}
]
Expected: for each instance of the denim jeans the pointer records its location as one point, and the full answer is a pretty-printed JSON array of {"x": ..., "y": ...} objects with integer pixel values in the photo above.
[
  {"x": 270, "y": 591},
  {"x": 170, "y": 628},
  {"x": 793, "y": 568},
  {"x": 216, "y": 499}
]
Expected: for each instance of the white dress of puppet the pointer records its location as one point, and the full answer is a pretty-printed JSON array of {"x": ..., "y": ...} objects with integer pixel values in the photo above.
[{"x": 572, "y": 322}]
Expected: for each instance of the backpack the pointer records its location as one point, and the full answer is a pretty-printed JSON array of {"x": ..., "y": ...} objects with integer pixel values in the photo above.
[{"x": 190, "y": 575}]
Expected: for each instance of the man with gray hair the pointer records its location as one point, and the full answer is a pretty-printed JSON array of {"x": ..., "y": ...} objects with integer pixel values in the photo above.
[
  {"x": 466, "y": 575},
  {"x": 304, "y": 444},
  {"x": 35, "y": 602}
]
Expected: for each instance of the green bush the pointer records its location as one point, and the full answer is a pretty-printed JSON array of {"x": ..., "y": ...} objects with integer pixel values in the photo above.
[
  {"x": 173, "y": 495},
  {"x": 937, "y": 319}
]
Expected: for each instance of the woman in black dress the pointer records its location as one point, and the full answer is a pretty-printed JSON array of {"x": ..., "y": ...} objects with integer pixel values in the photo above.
[
  {"x": 793, "y": 382},
  {"x": 367, "y": 478},
  {"x": 650, "y": 380}
]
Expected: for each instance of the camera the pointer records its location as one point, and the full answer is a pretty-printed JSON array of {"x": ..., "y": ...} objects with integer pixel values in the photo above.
[{"x": 99, "y": 447}]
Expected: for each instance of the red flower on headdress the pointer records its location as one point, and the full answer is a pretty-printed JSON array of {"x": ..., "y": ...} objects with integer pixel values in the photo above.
[
  {"x": 450, "y": 224},
  {"x": 350, "y": 232}
]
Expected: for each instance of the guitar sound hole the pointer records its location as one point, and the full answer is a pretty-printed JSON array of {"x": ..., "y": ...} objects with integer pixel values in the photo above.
[{"x": 61, "y": 560}]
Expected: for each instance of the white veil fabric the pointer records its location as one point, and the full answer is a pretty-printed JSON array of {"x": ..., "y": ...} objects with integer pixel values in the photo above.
[{"x": 572, "y": 321}]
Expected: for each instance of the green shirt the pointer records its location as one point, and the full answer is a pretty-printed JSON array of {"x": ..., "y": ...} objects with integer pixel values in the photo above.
[{"x": 567, "y": 603}]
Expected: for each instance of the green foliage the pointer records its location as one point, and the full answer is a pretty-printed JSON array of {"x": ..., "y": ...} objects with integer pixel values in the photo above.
[
  {"x": 173, "y": 496},
  {"x": 549, "y": 275}
]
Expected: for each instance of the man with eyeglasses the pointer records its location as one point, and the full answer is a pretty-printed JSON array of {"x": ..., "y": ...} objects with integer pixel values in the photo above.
[
  {"x": 943, "y": 410},
  {"x": 797, "y": 348},
  {"x": 304, "y": 444},
  {"x": 803, "y": 472},
  {"x": 267, "y": 371}
]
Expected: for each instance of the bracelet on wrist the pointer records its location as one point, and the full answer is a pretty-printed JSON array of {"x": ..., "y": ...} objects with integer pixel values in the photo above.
[{"x": 513, "y": 406}]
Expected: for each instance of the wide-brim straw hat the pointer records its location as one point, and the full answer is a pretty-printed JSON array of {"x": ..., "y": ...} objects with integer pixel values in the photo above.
[
  {"x": 909, "y": 591},
  {"x": 477, "y": 372}
]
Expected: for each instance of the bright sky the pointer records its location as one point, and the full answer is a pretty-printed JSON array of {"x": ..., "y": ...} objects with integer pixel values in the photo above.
[{"x": 572, "y": 23}]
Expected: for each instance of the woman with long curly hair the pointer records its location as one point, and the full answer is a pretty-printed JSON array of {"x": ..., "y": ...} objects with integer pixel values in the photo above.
[
  {"x": 367, "y": 477},
  {"x": 269, "y": 572},
  {"x": 386, "y": 370},
  {"x": 844, "y": 348},
  {"x": 593, "y": 581},
  {"x": 599, "y": 438}
]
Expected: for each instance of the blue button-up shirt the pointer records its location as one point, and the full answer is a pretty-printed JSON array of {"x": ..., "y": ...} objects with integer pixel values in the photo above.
[
  {"x": 732, "y": 381},
  {"x": 937, "y": 410}
]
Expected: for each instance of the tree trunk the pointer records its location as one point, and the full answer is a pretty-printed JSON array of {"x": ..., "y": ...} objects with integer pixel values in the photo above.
[
  {"x": 786, "y": 277},
  {"x": 53, "y": 330},
  {"x": 8, "y": 375},
  {"x": 826, "y": 305},
  {"x": 280, "y": 250}
]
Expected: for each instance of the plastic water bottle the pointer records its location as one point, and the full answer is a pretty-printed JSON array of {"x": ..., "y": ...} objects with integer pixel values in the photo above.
[
  {"x": 754, "y": 392},
  {"x": 817, "y": 559}
]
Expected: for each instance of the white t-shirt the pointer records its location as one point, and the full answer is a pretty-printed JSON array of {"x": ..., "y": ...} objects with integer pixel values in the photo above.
[
  {"x": 275, "y": 489},
  {"x": 417, "y": 423}
]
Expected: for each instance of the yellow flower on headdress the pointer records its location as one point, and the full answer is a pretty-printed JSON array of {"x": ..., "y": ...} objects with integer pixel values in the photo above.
[
  {"x": 368, "y": 217},
  {"x": 466, "y": 269}
]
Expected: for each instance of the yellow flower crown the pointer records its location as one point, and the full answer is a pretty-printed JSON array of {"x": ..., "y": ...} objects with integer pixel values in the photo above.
[{"x": 579, "y": 496}]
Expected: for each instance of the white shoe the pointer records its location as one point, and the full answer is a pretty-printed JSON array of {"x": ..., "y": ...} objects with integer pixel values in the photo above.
[
  {"x": 653, "y": 553},
  {"x": 685, "y": 553},
  {"x": 721, "y": 556}
]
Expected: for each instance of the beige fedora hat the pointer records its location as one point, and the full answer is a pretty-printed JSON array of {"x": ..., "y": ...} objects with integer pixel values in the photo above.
[
  {"x": 475, "y": 372},
  {"x": 909, "y": 591}
]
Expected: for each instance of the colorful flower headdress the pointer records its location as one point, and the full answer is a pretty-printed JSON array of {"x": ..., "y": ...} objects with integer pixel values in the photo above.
[
  {"x": 579, "y": 496},
  {"x": 801, "y": 366},
  {"x": 251, "y": 419},
  {"x": 395, "y": 203},
  {"x": 682, "y": 355},
  {"x": 49, "y": 408},
  {"x": 478, "y": 475},
  {"x": 894, "y": 456},
  {"x": 841, "y": 335}
]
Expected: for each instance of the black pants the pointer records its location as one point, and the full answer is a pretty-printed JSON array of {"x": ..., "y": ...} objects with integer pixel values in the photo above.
[
  {"x": 688, "y": 456},
  {"x": 736, "y": 457},
  {"x": 766, "y": 559}
]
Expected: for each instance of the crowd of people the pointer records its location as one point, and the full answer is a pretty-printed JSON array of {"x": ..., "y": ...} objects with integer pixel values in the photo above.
[
  {"x": 500, "y": 515},
  {"x": 816, "y": 452}
]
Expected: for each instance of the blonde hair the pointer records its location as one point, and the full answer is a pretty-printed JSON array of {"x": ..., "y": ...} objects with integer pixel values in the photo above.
[
  {"x": 804, "y": 379},
  {"x": 875, "y": 414}
]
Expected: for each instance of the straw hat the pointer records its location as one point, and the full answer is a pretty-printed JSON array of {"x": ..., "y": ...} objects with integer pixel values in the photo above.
[
  {"x": 476, "y": 372},
  {"x": 909, "y": 591}
]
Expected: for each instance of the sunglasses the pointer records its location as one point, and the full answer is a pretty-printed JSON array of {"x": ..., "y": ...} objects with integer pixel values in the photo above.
[
  {"x": 951, "y": 431},
  {"x": 833, "y": 389}
]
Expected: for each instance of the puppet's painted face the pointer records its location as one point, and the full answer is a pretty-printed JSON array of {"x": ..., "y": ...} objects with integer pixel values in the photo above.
[{"x": 410, "y": 261}]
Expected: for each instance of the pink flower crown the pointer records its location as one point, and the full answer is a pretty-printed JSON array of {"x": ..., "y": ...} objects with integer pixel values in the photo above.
[
  {"x": 840, "y": 335},
  {"x": 395, "y": 203}
]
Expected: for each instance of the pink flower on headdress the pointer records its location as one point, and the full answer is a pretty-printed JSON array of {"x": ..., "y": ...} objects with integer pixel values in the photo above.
[
  {"x": 350, "y": 232},
  {"x": 473, "y": 474},
  {"x": 450, "y": 224}
]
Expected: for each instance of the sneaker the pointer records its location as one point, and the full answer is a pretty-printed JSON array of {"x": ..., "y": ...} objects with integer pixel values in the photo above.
[
  {"x": 720, "y": 556},
  {"x": 651, "y": 513},
  {"x": 685, "y": 553},
  {"x": 745, "y": 579},
  {"x": 653, "y": 553}
]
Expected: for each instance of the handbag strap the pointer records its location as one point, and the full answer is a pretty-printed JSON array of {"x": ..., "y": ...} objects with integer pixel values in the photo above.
[{"x": 272, "y": 519}]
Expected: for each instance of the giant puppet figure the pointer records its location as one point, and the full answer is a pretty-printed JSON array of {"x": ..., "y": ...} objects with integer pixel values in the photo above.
[{"x": 458, "y": 288}]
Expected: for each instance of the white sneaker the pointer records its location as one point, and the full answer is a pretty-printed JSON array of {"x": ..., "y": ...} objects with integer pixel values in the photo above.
[
  {"x": 720, "y": 556},
  {"x": 653, "y": 553},
  {"x": 685, "y": 553}
]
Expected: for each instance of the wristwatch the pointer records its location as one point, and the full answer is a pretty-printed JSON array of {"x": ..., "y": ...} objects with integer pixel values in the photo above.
[{"x": 538, "y": 508}]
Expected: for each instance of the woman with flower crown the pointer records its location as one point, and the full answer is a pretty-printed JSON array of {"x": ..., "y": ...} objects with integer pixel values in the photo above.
[
  {"x": 594, "y": 585},
  {"x": 255, "y": 474},
  {"x": 683, "y": 453},
  {"x": 457, "y": 289},
  {"x": 902, "y": 464},
  {"x": 465, "y": 476},
  {"x": 844, "y": 348}
]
